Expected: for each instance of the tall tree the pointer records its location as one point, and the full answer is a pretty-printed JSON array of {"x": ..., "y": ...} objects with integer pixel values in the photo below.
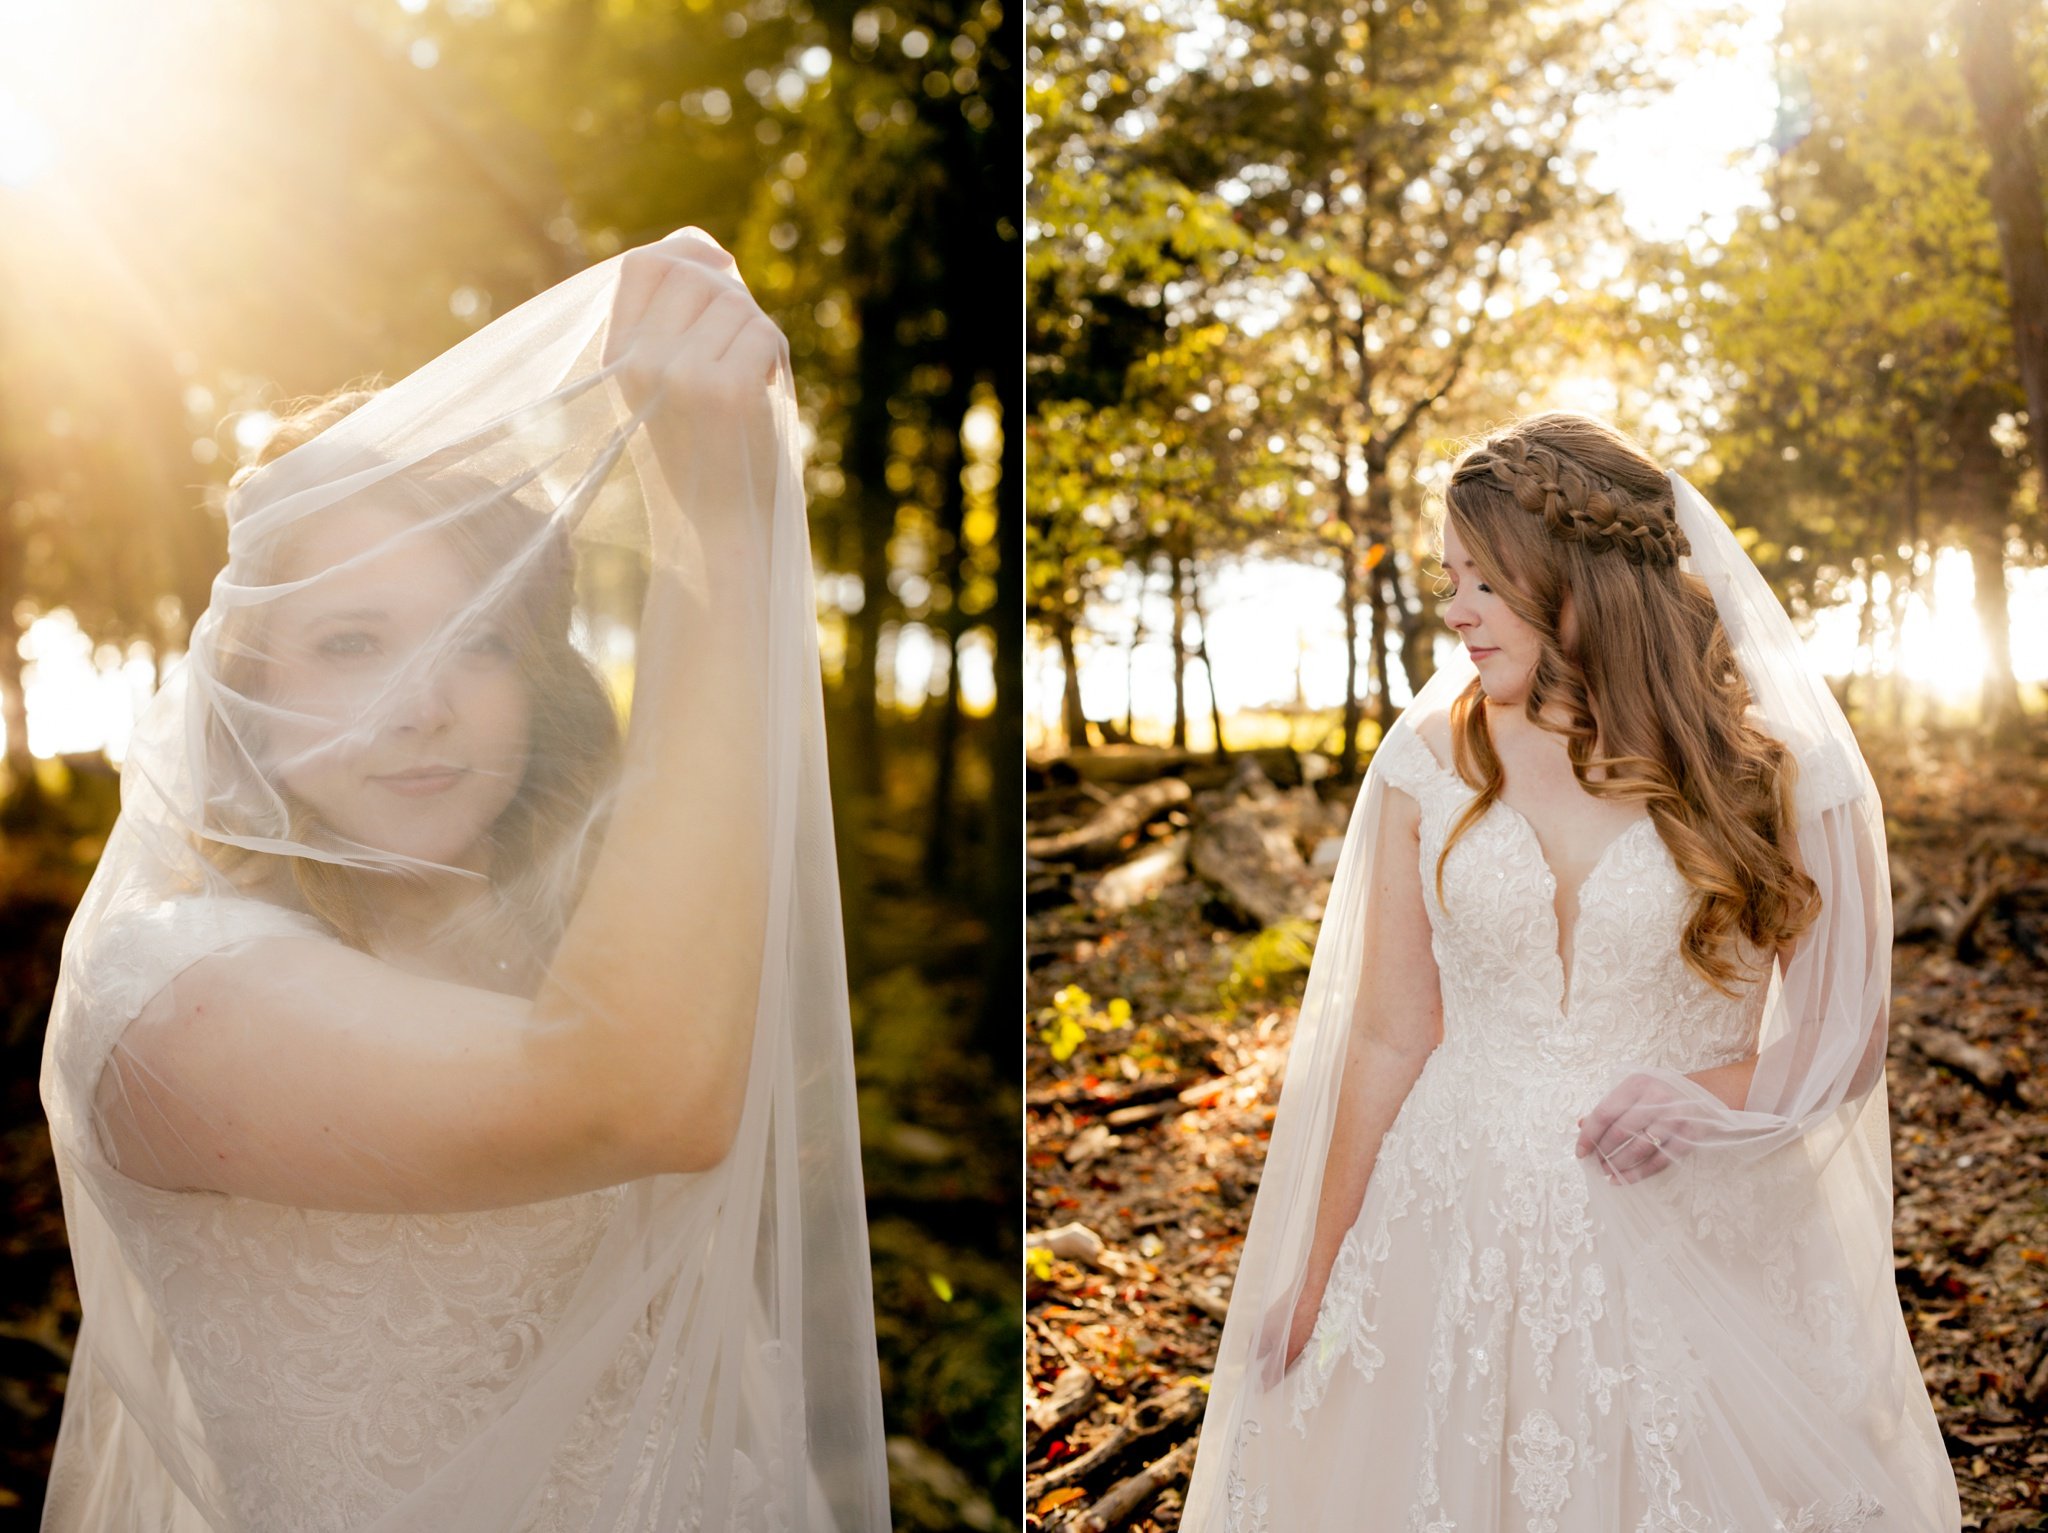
[
  {"x": 1858, "y": 324},
  {"x": 1994, "y": 61}
]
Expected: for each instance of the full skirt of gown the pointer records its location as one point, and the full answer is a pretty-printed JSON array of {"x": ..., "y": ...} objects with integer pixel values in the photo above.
[{"x": 1483, "y": 1360}]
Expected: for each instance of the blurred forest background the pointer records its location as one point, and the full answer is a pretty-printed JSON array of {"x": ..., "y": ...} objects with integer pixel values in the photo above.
[
  {"x": 1282, "y": 262},
  {"x": 212, "y": 207}
]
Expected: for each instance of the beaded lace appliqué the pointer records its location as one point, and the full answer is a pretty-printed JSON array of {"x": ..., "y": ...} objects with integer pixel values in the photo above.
[{"x": 1479, "y": 1160}]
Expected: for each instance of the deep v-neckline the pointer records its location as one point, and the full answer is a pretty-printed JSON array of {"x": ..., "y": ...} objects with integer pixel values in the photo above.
[{"x": 1565, "y": 977}]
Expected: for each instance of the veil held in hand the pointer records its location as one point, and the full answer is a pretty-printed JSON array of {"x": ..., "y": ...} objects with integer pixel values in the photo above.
[
  {"x": 450, "y": 1074},
  {"x": 1820, "y": 1386}
]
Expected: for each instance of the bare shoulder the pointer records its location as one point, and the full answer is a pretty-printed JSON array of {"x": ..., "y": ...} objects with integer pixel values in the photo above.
[
  {"x": 1400, "y": 812},
  {"x": 1435, "y": 732}
]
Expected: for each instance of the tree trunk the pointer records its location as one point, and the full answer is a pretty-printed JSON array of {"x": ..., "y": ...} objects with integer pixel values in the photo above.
[
  {"x": 23, "y": 794},
  {"x": 1866, "y": 631},
  {"x": 1002, "y": 954},
  {"x": 1995, "y": 75},
  {"x": 22, "y": 798},
  {"x": 1131, "y": 682},
  {"x": 1347, "y": 745},
  {"x": 1905, "y": 580},
  {"x": 1180, "y": 650},
  {"x": 867, "y": 460},
  {"x": 1073, "y": 722},
  {"x": 1350, "y": 546},
  {"x": 1999, "y": 709},
  {"x": 1901, "y": 595},
  {"x": 952, "y": 414},
  {"x": 1208, "y": 666},
  {"x": 1379, "y": 520}
]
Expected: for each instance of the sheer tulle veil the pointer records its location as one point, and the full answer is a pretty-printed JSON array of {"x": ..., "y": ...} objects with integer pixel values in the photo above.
[
  {"x": 611, "y": 551},
  {"x": 1799, "y": 1176}
]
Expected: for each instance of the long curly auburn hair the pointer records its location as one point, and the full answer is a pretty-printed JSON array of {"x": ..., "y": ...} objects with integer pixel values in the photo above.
[{"x": 1562, "y": 504}]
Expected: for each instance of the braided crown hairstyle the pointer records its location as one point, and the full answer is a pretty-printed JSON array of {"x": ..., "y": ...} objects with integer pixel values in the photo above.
[
  {"x": 1575, "y": 527},
  {"x": 1590, "y": 485}
]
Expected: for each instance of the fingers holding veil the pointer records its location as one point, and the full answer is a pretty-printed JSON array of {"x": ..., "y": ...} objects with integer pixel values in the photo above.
[{"x": 704, "y": 369}]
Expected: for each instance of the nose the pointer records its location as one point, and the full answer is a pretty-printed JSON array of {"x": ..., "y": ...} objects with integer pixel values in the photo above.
[
  {"x": 1456, "y": 616},
  {"x": 421, "y": 702}
]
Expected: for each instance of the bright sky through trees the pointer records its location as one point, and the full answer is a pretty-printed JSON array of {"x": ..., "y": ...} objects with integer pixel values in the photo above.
[{"x": 1681, "y": 165}]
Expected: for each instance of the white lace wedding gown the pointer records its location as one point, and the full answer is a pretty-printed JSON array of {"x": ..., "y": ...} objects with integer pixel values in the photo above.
[
  {"x": 334, "y": 1360},
  {"x": 1475, "y": 1365}
]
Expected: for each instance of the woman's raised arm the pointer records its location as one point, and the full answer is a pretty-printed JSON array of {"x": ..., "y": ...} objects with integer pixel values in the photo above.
[{"x": 302, "y": 1071}]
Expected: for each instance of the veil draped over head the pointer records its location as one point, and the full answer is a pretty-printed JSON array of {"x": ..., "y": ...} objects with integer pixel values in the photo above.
[
  {"x": 450, "y": 1074},
  {"x": 1811, "y": 1395}
]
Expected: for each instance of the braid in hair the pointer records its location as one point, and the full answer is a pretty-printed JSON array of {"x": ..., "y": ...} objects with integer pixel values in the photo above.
[{"x": 1578, "y": 505}]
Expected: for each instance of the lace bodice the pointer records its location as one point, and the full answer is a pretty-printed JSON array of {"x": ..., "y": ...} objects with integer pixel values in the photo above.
[
  {"x": 1496, "y": 941},
  {"x": 1472, "y": 1331},
  {"x": 336, "y": 1359}
]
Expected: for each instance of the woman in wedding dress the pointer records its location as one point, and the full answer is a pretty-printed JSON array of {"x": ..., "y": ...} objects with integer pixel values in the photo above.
[
  {"x": 1576, "y": 1216},
  {"x": 450, "y": 1074}
]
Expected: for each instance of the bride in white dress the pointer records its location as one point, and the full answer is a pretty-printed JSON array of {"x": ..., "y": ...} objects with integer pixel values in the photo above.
[
  {"x": 450, "y": 1074},
  {"x": 1576, "y": 1217}
]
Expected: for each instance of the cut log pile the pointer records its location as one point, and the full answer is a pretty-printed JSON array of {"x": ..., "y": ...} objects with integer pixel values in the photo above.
[
  {"x": 1255, "y": 830},
  {"x": 2005, "y": 873}
]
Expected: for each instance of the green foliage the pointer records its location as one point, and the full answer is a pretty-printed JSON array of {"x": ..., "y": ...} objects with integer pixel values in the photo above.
[
  {"x": 1065, "y": 1025},
  {"x": 1258, "y": 273},
  {"x": 1265, "y": 958},
  {"x": 1860, "y": 320},
  {"x": 1848, "y": 346}
]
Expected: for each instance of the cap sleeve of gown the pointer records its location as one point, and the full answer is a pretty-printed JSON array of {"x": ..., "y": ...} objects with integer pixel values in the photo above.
[{"x": 130, "y": 957}]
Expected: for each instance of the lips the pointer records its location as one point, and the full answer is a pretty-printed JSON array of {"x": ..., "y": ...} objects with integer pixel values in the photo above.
[
  {"x": 1481, "y": 654},
  {"x": 421, "y": 782}
]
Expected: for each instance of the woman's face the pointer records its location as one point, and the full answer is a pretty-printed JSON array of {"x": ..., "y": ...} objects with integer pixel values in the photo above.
[
  {"x": 394, "y": 733},
  {"x": 1502, "y": 646}
]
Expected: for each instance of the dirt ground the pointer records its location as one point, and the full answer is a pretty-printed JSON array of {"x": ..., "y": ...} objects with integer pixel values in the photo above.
[{"x": 1167, "y": 1184}]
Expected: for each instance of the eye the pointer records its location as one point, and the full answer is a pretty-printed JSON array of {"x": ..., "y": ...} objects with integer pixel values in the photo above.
[
  {"x": 349, "y": 645},
  {"x": 490, "y": 643}
]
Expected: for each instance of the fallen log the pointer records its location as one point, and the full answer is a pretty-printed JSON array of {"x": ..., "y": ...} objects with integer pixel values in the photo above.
[
  {"x": 1913, "y": 910},
  {"x": 1142, "y": 877},
  {"x": 1979, "y": 1066},
  {"x": 1132, "y": 1117},
  {"x": 1072, "y": 1393},
  {"x": 1127, "y": 1496},
  {"x": 1120, "y": 765},
  {"x": 1247, "y": 853},
  {"x": 1963, "y": 940},
  {"x": 1177, "y": 1410},
  {"x": 1098, "y": 839},
  {"x": 1104, "y": 1097}
]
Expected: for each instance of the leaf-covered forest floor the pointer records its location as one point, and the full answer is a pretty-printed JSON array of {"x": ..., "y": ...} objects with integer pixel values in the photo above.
[
  {"x": 939, "y": 1114},
  {"x": 1150, "y": 1136}
]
